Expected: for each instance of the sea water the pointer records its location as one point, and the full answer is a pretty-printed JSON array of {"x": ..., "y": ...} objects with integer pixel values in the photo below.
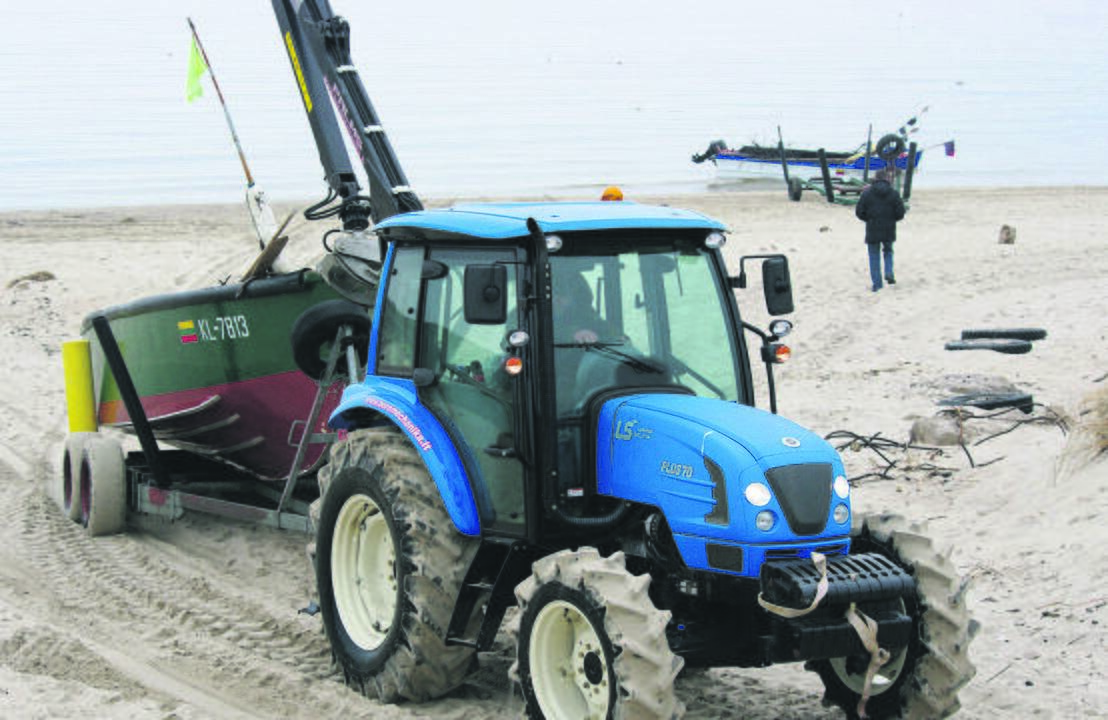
[{"x": 548, "y": 99}]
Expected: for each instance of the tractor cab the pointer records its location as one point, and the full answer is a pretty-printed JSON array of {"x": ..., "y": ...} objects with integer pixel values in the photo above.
[{"x": 510, "y": 325}]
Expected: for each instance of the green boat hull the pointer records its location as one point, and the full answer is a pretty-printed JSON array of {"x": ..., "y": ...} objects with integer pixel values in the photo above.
[{"x": 215, "y": 373}]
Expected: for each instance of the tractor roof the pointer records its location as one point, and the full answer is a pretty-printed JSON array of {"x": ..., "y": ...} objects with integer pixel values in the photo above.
[{"x": 498, "y": 221}]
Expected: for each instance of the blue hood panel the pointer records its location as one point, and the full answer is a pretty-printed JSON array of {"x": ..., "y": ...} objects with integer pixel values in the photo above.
[{"x": 687, "y": 455}]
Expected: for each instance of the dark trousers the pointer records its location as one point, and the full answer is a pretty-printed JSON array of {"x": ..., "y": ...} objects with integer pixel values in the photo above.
[{"x": 876, "y": 251}]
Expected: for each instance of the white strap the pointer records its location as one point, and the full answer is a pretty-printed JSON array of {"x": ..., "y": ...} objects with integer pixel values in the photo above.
[
  {"x": 820, "y": 561},
  {"x": 866, "y": 627}
]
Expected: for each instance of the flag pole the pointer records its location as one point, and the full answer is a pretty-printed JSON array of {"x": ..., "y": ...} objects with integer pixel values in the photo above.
[
  {"x": 223, "y": 103},
  {"x": 261, "y": 214}
]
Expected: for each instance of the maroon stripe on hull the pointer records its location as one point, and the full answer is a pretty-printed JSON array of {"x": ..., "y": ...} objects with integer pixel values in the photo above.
[{"x": 246, "y": 423}]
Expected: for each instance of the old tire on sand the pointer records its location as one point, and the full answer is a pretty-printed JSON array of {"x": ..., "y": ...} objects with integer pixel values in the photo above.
[
  {"x": 922, "y": 680},
  {"x": 591, "y": 642},
  {"x": 103, "y": 486},
  {"x": 389, "y": 567}
]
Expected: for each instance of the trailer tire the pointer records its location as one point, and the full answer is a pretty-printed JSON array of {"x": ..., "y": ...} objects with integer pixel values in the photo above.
[
  {"x": 103, "y": 486},
  {"x": 935, "y": 665},
  {"x": 796, "y": 190},
  {"x": 69, "y": 489},
  {"x": 316, "y": 328},
  {"x": 579, "y": 602},
  {"x": 382, "y": 521},
  {"x": 889, "y": 147}
]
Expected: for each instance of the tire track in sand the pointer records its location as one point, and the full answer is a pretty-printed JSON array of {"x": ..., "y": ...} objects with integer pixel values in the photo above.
[{"x": 192, "y": 634}]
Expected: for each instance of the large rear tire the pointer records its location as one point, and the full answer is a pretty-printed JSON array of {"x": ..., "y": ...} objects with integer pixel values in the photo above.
[
  {"x": 591, "y": 642},
  {"x": 922, "y": 680},
  {"x": 389, "y": 568}
]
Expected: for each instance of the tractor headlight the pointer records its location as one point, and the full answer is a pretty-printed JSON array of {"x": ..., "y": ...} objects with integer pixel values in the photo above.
[
  {"x": 841, "y": 514},
  {"x": 757, "y": 494},
  {"x": 765, "y": 520},
  {"x": 842, "y": 487}
]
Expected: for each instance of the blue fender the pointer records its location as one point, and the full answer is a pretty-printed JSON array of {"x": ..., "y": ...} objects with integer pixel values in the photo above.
[{"x": 397, "y": 400}]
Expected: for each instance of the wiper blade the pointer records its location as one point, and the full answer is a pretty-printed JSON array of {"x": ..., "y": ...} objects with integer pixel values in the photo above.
[
  {"x": 586, "y": 346},
  {"x": 637, "y": 364}
]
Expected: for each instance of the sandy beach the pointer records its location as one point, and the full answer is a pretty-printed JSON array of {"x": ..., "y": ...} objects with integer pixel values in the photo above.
[{"x": 198, "y": 618}]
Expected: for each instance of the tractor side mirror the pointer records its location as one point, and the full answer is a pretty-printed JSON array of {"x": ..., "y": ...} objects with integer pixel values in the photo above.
[
  {"x": 777, "y": 286},
  {"x": 486, "y": 294}
]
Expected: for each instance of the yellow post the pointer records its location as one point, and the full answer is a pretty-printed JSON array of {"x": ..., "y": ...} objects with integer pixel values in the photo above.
[{"x": 79, "y": 397}]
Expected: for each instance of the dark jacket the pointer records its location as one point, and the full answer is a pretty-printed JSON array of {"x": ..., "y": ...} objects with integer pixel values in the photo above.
[{"x": 880, "y": 207}]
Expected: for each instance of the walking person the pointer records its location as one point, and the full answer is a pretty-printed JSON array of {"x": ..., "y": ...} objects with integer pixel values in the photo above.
[{"x": 881, "y": 208}]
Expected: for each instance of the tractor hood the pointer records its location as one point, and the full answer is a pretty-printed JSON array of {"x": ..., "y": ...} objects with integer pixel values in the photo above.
[{"x": 695, "y": 459}]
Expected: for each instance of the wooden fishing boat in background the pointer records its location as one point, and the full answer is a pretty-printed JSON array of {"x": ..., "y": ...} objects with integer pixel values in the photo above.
[{"x": 765, "y": 161}]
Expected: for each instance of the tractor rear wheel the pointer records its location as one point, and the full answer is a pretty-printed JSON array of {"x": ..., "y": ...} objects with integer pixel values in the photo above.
[
  {"x": 923, "y": 679},
  {"x": 591, "y": 643},
  {"x": 389, "y": 568}
]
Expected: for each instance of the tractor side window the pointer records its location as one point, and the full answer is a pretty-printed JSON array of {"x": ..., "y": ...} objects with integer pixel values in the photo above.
[
  {"x": 396, "y": 350},
  {"x": 472, "y": 393}
]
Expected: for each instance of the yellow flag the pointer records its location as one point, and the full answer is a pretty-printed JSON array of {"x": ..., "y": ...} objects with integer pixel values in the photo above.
[{"x": 197, "y": 66}]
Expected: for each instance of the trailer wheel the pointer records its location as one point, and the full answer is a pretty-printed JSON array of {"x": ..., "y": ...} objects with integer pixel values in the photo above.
[
  {"x": 69, "y": 490},
  {"x": 591, "y": 643},
  {"x": 923, "y": 679},
  {"x": 889, "y": 147},
  {"x": 796, "y": 190},
  {"x": 389, "y": 568},
  {"x": 103, "y": 486},
  {"x": 315, "y": 330}
]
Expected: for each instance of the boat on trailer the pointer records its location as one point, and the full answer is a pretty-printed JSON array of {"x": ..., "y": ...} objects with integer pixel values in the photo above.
[
  {"x": 757, "y": 161},
  {"x": 227, "y": 387},
  {"x": 214, "y": 371}
]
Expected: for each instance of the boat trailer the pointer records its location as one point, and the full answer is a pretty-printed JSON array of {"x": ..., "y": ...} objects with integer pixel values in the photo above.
[{"x": 167, "y": 483}]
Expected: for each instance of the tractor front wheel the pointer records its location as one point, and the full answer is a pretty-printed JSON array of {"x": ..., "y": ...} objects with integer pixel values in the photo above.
[
  {"x": 389, "y": 568},
  {"x": 921, "y": 680},
  {"x": 591, "y": 643}
]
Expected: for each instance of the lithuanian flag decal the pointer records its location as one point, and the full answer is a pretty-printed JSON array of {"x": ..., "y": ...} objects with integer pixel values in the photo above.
[{"x": 188, "y": 332}]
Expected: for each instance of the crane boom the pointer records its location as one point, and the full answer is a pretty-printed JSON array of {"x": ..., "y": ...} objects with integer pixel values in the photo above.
[{"x": 318, "y": 45}]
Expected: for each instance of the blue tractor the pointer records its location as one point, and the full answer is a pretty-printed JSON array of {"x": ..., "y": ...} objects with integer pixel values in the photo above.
[{"x": 557, "y": 413}]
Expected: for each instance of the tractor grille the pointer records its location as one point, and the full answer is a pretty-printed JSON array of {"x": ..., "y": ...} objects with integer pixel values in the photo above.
[{"x": 804, "y": 492}]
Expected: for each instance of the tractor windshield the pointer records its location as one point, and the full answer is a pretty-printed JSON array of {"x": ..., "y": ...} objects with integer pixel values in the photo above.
[{"x": 640, "y": 312}]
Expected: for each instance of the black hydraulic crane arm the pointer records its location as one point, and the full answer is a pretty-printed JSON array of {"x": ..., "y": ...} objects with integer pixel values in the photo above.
[{"x": 318, "y": 45}]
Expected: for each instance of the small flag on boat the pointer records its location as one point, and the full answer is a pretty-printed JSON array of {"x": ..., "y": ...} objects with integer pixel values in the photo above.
[
  {"x": 197, "y": 67},
  {"x": 188, "y": 332},
  {"x": 949, "y": 147}
]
